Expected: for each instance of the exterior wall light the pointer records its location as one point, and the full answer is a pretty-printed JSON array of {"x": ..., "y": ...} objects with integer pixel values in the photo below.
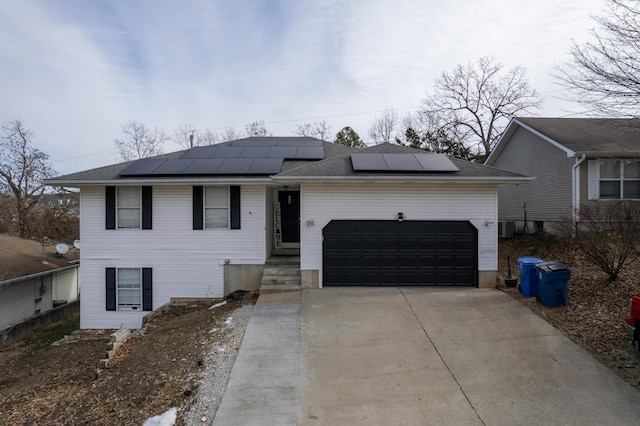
[
  {"x": 311, "y": 222},
  {"x": 400, "y": 217}
]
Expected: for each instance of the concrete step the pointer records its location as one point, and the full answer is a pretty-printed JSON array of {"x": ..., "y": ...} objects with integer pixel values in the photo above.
[
  {"x": 279, "y": 288},
  {"x": 281, "y": 270},
  {"x": 280, "y": 280},
  {"x": 284, "y": 260},
  {"x": 281, "y": 277}
]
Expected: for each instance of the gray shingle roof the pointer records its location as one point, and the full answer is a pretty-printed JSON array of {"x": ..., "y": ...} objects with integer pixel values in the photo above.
[
  {"x": 340, "y": 166},
  {"x": 590, "y": 135},
  {"x": 336, "y": 164}
]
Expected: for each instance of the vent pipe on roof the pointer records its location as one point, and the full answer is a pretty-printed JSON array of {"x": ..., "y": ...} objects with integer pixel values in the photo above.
[{"x": 191, "y": 139}]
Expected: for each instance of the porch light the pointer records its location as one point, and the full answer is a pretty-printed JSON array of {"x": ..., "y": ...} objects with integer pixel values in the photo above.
[{"x": 400, "y": 217}]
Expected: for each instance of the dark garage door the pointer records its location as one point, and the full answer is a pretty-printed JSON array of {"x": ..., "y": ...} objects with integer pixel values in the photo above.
[{"x": 390, "y": 253}]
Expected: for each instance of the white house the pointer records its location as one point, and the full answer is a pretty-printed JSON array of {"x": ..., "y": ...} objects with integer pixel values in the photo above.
[
  {"x": 33, "y": 281},
  {"x": 176, "y": 225}
]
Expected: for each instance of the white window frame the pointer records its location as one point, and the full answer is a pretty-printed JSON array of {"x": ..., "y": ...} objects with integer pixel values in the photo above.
[
  {"x": 127, "y": 305},
  {"x": 595, "y": 179},
  {"x": 210, "y": 206},
  {"x": 122, "y": 209}
]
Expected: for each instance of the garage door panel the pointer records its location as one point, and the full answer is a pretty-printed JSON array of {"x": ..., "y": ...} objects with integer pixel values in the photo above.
[{"x": 394, "y": 253}]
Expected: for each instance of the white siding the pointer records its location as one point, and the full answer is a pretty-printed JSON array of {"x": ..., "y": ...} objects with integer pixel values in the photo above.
[
  {"x": 65, "y": 285},
  {"x": 17, "y": 301},
  {"x": 325, "y": 202},
  {"x": 186, "y": 263}
]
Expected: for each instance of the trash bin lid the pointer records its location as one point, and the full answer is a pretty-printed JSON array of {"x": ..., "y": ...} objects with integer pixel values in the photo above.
[
  {"x": 528, "y": 260},
  {"x": 552, "y": 266}
]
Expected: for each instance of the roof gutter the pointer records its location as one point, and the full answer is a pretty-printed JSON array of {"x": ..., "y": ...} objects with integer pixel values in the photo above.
[
  {"x": 405, "y": 178},
  {"x": 36, "y": 275},
  {"x": 123, "y": 182},
  {"x": 575, "y": 189},
  {"x": 612, "y": 154}
]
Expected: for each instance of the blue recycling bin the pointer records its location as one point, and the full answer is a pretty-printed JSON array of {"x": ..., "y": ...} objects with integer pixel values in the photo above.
[
  {"x": 553, "y": 281},
  {"x": 528, "y": 275}
]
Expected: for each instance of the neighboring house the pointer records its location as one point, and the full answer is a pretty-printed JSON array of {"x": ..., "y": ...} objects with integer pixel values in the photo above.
[
  {"x": 202, "y": 222},
  {"x": 576, "y": 162},
  {"x": 29, "y": 287}
]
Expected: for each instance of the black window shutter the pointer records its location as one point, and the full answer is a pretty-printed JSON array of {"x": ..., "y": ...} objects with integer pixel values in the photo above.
[
  {"x": 198, "y": 208},
  {"x": 147, "y": 289},
  {"x": 110, "y": 207},
  {"x": 111, "y": 289},
  {"x": 234, "y": 192},
  {"x": 147, "y": 201}
]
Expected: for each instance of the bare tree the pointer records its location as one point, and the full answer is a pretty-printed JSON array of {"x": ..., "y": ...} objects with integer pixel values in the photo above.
[
  {"x": 256, "y": 129},
  {"x": 22, "y": 170},
  {"x": 138, "y": 141},
  {"x": 188, "y": 136},
  {"x": 184, "y": 136},
  {"x": 476, "y": 101},
  {"x": 348, "y": 137},
  {"x": 318, "y": 129},
  {"x": 608, "y": 233},
  {"x": 384, "y": 126},
  {"x": 230, "y": 134},
  {"x": 604, "y": 74}
]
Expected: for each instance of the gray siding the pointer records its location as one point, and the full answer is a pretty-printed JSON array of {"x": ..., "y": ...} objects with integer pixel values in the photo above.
[{"x": 548, "y": 197}]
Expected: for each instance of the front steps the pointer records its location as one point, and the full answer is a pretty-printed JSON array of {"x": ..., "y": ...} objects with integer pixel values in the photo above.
[{"x": 281, "y": 273}]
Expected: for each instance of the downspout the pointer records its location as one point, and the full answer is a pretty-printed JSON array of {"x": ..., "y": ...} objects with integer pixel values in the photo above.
[{"x": 575, "y": 189}]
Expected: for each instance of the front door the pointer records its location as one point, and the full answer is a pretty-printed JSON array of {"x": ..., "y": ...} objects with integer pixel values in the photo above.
[{"x": 290, "y": 216}]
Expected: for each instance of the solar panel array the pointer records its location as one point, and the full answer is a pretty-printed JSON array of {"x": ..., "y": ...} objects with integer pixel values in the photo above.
[
  {"x": 391, "y": 162},
  {"x": 242, "y": 157}
]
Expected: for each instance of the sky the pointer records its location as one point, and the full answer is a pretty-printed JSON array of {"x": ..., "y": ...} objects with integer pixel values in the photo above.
[{"x": 74, "y": 71}]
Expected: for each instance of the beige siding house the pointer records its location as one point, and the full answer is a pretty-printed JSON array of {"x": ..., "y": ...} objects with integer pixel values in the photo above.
[
  {"x": 576, "y": 162},
  {"x": 204, "y": 222}
]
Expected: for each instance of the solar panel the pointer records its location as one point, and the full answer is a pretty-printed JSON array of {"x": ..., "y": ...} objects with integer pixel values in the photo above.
[
  {"x": 244, "y": 156},
  {"x": 235, "y": 166},
  {"x": 201, "y": 152},
  {"x": 298, "y": 142},
  {"x": 402, "y": 162},
  {"x": 436, "y": 163},
  {"x": 228, "y": 151},
  {"x": 255, "y": 151},
  {"x": 173, "y": 167},
  {"x": 266, "y": 166},
  {"x": 142, "y": 167},
  {"x": 310, "y": 153},
  {"x": 203, "y": 166},
  {"x": 286, "y": 152},
  {"x": 368, "y": 161}
]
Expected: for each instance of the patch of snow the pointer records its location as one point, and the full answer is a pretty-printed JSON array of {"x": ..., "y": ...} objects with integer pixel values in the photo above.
[
  {"x": 229, "y": 321},
  {"x": 166, "y": 419},
  {"x": 217, "y": 305}
]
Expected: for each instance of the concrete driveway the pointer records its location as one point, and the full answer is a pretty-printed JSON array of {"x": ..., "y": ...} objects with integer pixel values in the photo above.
[{"x": 415, "y": 356}]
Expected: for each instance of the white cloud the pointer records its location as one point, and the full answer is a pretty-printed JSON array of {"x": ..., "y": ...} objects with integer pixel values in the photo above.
[{"x": 75, "y": 71}]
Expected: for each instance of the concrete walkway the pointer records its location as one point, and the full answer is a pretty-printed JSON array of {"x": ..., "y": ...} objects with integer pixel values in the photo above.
[{"x": 405, "y": 356}]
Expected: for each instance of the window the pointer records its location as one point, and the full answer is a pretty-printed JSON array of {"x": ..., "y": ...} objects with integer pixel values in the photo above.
[
  {"x": 128, "y": 207},
  {"x": 619, "y": 179},
  {"x": 129, "y": 289},
  {"x": 216, "y": 207}
]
